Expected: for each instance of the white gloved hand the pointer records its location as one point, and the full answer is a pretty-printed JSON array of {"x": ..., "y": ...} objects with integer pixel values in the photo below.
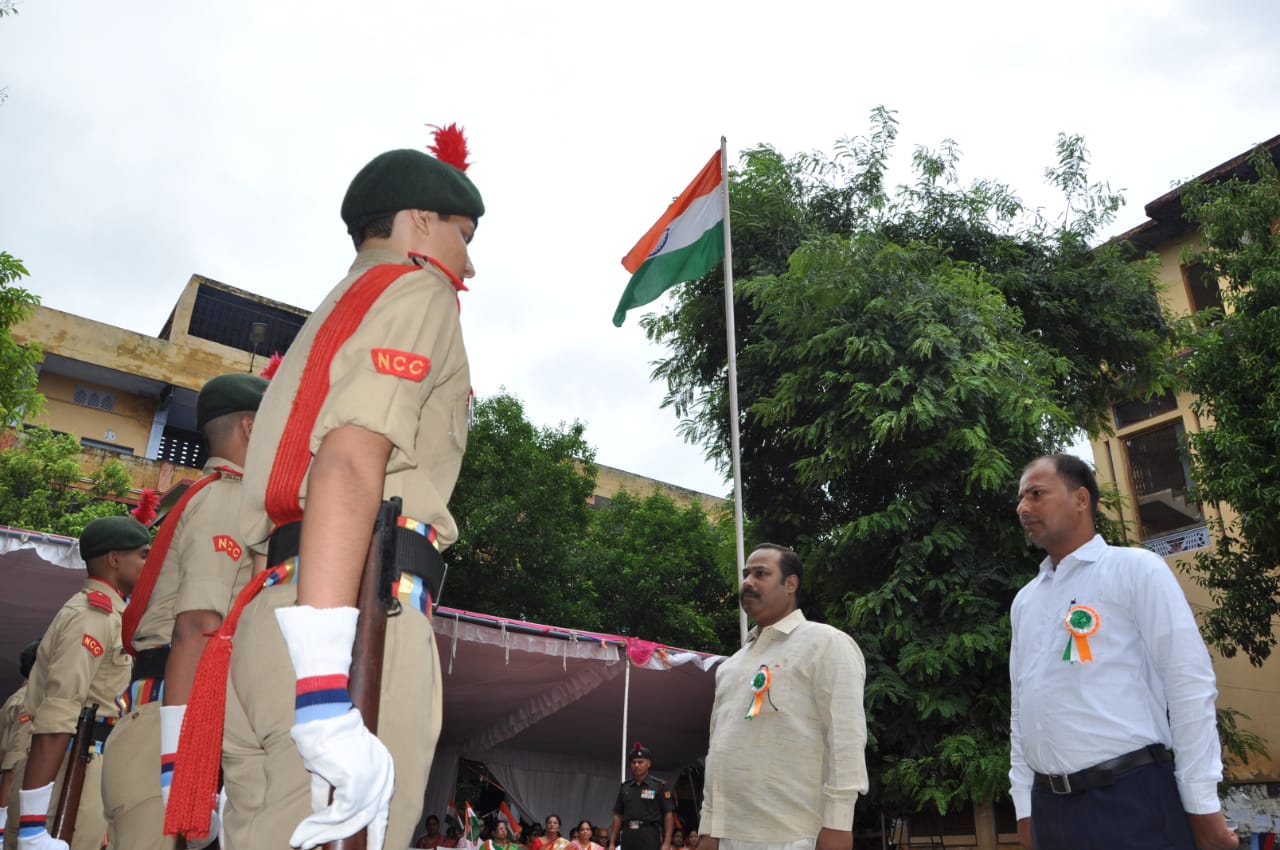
[
  {"x": 34, "y": 804},
  {"x": 215, "y": 826},
  {"x": 170, "y": 729},
  {"x": 341, "y": 752},
  {"x": 330, "y": 735}
]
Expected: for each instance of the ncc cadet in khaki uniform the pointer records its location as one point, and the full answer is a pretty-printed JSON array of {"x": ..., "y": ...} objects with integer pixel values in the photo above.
[
  {"x": 191, "y": 577},
  {"x": 371, "y": 402},
  {"x": 15, "y": 735},
  {"x": 643, "y": 814},
  {"x": 81, "y": 662}
]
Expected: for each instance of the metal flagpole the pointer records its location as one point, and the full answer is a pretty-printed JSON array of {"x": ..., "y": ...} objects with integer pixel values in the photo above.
[
  {"x": 731, "y": 337},
  {"x": 626, "y": 711}
]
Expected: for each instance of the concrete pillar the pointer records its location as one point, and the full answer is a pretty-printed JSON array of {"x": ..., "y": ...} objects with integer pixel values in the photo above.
[{"x": 984, "y": 826}]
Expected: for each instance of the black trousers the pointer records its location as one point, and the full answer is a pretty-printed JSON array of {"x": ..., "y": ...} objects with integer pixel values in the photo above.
[
  {"x": 1142, "y": 811},
  {"x": 644, "y": 838}
]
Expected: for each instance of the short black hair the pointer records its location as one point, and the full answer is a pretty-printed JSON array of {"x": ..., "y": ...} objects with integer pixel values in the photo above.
[
  {"x": 378, "y": 228},
  {"x": 1076, "y": 473},
  {"x": 27, "y": 658},
  {"x": 788, "y": 560}
]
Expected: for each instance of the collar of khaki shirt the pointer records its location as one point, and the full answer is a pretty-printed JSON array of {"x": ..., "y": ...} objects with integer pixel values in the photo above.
[{"x": 786, "y": 625}]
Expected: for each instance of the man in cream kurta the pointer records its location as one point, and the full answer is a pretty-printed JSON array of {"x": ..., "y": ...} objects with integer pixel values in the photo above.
[{"x": 786, "y": 760}]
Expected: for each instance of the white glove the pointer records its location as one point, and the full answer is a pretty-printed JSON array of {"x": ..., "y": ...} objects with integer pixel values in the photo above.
[
  {"x": 215, "y": 826},
  {"x": 34, "y": 804},
  {"x": 170, "y": 728},
  {"x": 341, "y": 752},
  {"x": 4, "y": 819},
  {"x": 330, "y": 735}
]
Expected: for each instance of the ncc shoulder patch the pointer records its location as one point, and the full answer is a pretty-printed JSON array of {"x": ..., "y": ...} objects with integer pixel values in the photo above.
[
  {"x": 90, "y": 643},
  {"x": 100, "y": 600},
  {"x": 226, "y": 543},
  {"x": 401, "y": 364}
]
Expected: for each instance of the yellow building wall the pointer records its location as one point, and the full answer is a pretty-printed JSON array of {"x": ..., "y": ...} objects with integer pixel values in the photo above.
[
  {"x": 129, "y": 424},
  {"x": 610, "y": 480},
  {"x": 1253, "y": 691}
]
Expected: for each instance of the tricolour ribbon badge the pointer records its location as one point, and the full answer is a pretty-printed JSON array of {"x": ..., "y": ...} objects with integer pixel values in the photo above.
[
  {"x": 760, "y": 683},
  {"x": 1081, "y": 621}
]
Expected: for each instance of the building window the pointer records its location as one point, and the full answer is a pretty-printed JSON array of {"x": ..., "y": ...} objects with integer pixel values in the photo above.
[
  {"x": 182, "y": 447},
  {"x": 86, "y": 397},
  {"x": 1136, "y": 411},
  {"x": 1203, "y": 289},
  {"x": 1160, "y": 473}
]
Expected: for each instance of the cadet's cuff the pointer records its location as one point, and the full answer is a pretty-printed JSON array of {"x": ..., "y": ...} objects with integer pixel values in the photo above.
[
  {"x": 56, "y": 716},
  {"x": 1199, "y": 798},
  {"x": 838, "y": 814}
]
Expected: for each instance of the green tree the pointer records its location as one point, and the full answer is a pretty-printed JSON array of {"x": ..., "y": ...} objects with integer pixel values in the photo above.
[
  {"x": 660, "y": 572},
  {"x": 902, "y": 354},
  {"x": 18, "y": 397},
  {"x": 41, "y": 485},
  {"x": 522, "y": 509},
  {"x": 1234, "y": 371}
]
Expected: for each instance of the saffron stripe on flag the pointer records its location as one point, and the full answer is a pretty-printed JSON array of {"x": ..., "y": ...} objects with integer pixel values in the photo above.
[{"x": 705, "y": 183}]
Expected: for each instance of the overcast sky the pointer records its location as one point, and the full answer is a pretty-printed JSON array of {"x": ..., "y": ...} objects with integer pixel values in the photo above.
[{"x": 146, "y": 141}]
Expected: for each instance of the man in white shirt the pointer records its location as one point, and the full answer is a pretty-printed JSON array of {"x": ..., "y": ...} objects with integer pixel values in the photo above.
[
  {"x": 1110, "y": 679},
  {"x": 786, "y": 760}
]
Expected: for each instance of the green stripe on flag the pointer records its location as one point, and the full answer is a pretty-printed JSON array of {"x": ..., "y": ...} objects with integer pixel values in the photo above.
[{"x": 660, "y": 273}]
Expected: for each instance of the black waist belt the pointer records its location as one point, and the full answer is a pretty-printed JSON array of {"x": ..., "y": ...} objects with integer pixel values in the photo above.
[
  {"x": 102, "y": 728},
  {"x": 149, "y": 664},
  {"x": 414, "y": 555},
  {"x": 1104, "y": 774}
]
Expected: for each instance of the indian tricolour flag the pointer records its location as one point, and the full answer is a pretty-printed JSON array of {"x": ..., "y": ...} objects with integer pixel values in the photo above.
[{"x": 684, "y": 244}]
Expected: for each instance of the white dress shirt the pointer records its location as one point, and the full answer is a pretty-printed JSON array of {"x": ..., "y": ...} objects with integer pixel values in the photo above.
[
  {"x": 1150, "y": 680},
  {"x": 800, "y": 764}
]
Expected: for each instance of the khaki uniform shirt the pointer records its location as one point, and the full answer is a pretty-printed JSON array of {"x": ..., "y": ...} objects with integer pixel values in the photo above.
[
  {"x": 402, "y": 374},
  {"x": 81, "y": 661},
  {"x": 207, "y": 562},
  {"x": 799, "y": 765},
  {"x": 15, "y": 731}
]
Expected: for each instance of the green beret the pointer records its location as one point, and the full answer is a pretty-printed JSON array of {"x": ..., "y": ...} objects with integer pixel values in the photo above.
[
  {"x": 112, "y": 534},
  {"x": 239, "y": 392},
  {"x": 408, "y": 180}
]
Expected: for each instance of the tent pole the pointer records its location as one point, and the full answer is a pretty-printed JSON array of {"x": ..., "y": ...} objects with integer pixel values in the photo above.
[{"x": 626, "y": 713}]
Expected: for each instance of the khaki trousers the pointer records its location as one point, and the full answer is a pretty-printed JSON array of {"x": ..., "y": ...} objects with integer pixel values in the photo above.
[
  {"x": 91, "y": 824},
  {"x": 131, "y": 782},
  {"x": 268, "y": 789}
]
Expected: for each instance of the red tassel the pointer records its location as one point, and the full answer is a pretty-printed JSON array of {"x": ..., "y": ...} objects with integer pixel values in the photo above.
[
  {"x": 269, "y": 371},
  {"x": 194, "y": 792},
  {"x": 450, "y": 146},
  {"x": 148, "y": 502}
]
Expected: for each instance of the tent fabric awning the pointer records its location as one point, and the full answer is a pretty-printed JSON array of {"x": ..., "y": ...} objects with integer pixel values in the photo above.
[{"x": 546, "y": 707}]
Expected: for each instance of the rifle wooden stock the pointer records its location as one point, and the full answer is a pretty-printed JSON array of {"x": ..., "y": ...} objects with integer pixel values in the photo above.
[
  {"x": 64, "y": 816},
  {"x": 365, "y": 679}
]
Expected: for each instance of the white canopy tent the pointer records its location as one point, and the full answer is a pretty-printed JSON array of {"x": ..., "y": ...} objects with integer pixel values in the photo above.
[{"x": 552, "y": 711}]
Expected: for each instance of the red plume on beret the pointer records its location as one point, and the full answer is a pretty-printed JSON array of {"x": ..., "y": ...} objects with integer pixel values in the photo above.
[
  {"x": 450, "y": 146},
  {"x": 269, "y": 371},
  {"x": 148, "y": 501}
]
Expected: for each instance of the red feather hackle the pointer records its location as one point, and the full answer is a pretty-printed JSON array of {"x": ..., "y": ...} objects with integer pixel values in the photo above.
[
  {"x": 269, "y": 371},
  {"x": 148, "y": 502},
  {"x": 450, "y": 146}
]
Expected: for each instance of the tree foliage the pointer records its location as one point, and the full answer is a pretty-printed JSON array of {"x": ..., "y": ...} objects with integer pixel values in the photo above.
[
  {"x": 18, "y": 397},
  {"x": 41, "y": 485},
  {"x": 522, "y": 510},
  {"x": 902, "y": 354},
  {"x": 532, "y": 547},
  {"x": 1234, "y": 371}
]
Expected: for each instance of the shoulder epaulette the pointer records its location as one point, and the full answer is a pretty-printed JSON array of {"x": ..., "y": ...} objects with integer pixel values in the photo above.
[{"x": 100, "y": 600}]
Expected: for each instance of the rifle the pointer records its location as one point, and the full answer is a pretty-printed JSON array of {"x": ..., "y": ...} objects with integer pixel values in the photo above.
[
  {"x": 64, "y": 816},
  {"x": 375, "y": 603}
]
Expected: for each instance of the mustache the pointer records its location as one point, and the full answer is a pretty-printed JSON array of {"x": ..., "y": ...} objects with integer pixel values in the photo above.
[{"x": 743, "y": 594}]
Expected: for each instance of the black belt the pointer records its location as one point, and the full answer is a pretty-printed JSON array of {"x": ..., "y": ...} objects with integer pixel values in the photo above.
[
  {"x": 102, "y": 728},
  {"x": 1103, "y": 775},
  {"x": 149, "y": 664},
  {"x": 414, "y": 555}
]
